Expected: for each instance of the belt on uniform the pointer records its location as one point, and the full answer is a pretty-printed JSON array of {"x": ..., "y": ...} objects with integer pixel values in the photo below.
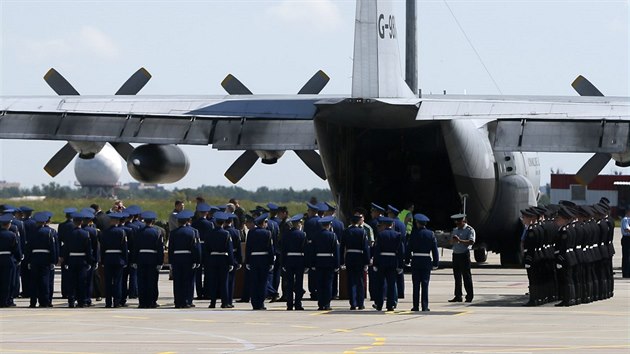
[
  {"x": 114, "y": 251},
  {"x": 145, "y": 250},
  {"x": 324, "y": 255},
  {"x": 41, "y": 251},
  {"x": 202, "y": 242},
  {"x": 259, "y": 253},
  {"x": 569, "y": 250},
  {"x": 595, "y": 245},
  {"x": 525, "y": 250},
  {"x": 5, "y": 252},
  {"x": 77, "y": 254},
  {"x": 182, "y": 252},
  {"x": 416, "y": 254},
  {"x": 556, "y": 252},
  {"x": 218, "y": 253},
  {"x": 391, "y": 254},
  {"x": 578, "y": 247},
  {"x": 295, "y": 254},
  {"x": 354, "y": 251}
]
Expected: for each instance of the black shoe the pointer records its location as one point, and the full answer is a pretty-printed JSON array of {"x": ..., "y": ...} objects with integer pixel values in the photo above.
[
  {"x": 390, "y": 309},
  {"x": 469, "y": 299},
  {"x": 530, "y": 303},
  {"x": 212, "y": 305},
  {"x": 426, "y": 310},
  {"x": 352, "y": 308},
  {"x": 230, "y": 306},
  {"x": 242, "y": 300},
  {"x": 225, "y": 306},
  {"x": 289, "y": 308},
  {"x": 455, "y": 299},
  {"x": 561, "y": 304},
  {"x": 320, "y": 309},
  {"x": 31, "y": 306},
  {"x": 192, "y": 305},
  {"x": 378, "y": 308},
  {"x": 275, "y": 298},
  {"x": 299, "y": 308},
  {"x": 415, "y": 309},
  {"x": 361, "y": 307}
]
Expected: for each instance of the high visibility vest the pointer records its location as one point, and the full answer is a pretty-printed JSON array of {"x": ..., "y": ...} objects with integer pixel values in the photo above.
[{"x": 402, "y": 216}]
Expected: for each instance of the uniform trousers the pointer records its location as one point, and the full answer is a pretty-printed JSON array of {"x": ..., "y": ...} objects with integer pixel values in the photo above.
[
  {"x": 147, "y": 285},
  {"x": 113, "y": 285},
  {"x": 77, "y": 284},
  {"x": 217, "y": 283},
  {"x": 6, "y": 284},
  {"x": 183, "y": 284},
  {"x": 40, "y": 284},
  {"x": 356, "y": 286},
  {"x": 292, "y": 291},
  {"x": 324, "y": 286},
  {"x": 625, "y": 256},
  {"x": 461, "y": 271},
  {"x": 420, "y": 278},
  {"x": 386, "y": 276},
  {"x": 258, "y": 276}
]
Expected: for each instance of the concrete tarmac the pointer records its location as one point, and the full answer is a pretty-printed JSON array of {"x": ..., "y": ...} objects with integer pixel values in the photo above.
[{"x": 495, "y": 322}]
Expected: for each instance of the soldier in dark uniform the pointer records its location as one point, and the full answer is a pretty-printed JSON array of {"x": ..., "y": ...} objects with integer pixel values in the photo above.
[
  {"x": 134, "y": 223},
  {"x": 114, "y": 257},
  {"x": 148, "y": 254},
  {"x": 63, "y": 231},
  {"x": 40, "y": 257},
  {"x": 355, "y": 259},
  {"x": 235, "y": 235},
  {"x": 88, "y": 225},
  {"x": 325, "y": 260},
  {"x": 565, "y": 257},
  {"x": 205, "y": 227},
  {"x": 218, "y": 256},
  {"x": 29, "y": 229},
  {"x": 311, "y": 229},
  {"x": 273, "y": 286},
  {"x": 421, "y": 247},
  {"x": 259, "y": 255},
  {"x": 549, "y": 278},
  {"x": 282, "y": 218},
  {"x": 77, "y": 259},
  {"x": 293, "y": 249},
  {"x": 529, "y": 242},
  {"x": 399, "y": 225},
  {"x": 376, "y": 212},
  {"x": 463, "y": 239},
  {"x": 17, "y": 226},
  {"x": 600, "y": 265},
  {"x": 388, "y": 254},
  {"x": 10, "y": 256},
  {"x": 184, "y": 256}
]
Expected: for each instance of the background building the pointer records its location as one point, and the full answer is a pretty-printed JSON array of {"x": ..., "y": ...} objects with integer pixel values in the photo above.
[{"x": 614, "y": 187}]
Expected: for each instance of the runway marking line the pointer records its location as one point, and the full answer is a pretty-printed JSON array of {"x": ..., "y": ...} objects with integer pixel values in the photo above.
[
  {"x": 463, "y": 313},
  {"x": 363, "y": 348},
  {"x": 320, "y": 313},
  {"x": 4, "y": 350},
  {"x": 342, "y": 330},
  {"x": 131, "y": 317},
  {"x": 195, "y": 320},
  {"x": 305, "y": 327},
  {"x": 369, "y": 334}
]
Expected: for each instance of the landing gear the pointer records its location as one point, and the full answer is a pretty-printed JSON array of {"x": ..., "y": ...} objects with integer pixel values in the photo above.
[
  {"x": 511, "y": 258},
  {"x": 481, "y": 254}
]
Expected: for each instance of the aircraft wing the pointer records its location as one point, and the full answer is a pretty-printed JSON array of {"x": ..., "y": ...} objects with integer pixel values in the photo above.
[
  {"x": 542, "y": 124},
  {"x": 227, "y": 123}
]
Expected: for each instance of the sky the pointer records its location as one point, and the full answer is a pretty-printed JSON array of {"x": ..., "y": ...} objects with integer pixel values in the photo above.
[{"x": 526, "y": 47}]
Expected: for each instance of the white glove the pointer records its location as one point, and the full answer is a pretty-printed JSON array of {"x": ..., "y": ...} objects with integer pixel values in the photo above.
[
  {"x": 343, "y": 267},
  {"x": 238, "y": 266},
  {"x": 284, "y": 269},
  {"x": 158, "y": 267},
  {"x": 336, "y": 270},
  {"x": 28, "y": 266},
  {"x": 65, "y": 266},
  {"x": 313, "y": 269},
  {"x": 399, "y": 270},
  {"x": 134, "y": 266},
  {"x": 194, "y": 266},
  {"x": 230, "y": 269},
  {"x": 271, "y": 268},
  {"x": 559, "y": 266},
  {"x": 248, "y": 267},
  {"x": 435, "y": 267},
  {"x": 305, "y": 270},
  {"x": 365, "y": 268},
  {"x": 374, "y": 268},
  {"x": 52, "y": 267},
  {"x": 88, "y": 268},
  {"x": 96, "y": 266}
]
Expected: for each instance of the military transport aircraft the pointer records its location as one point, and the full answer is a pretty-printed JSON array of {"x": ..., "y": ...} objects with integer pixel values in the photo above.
[{"x": 379, "y": 144}]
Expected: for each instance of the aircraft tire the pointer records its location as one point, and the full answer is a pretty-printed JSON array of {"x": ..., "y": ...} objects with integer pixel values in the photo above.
[{"x": 481, "y": 254}]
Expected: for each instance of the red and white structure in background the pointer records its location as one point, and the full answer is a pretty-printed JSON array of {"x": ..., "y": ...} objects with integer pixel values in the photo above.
[{"x": 614, "y": 187}]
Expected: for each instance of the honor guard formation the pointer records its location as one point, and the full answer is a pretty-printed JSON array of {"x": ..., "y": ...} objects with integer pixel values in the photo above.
[
  {"x": 118, "y": 255},
  {"x": 568, "y": 252}
]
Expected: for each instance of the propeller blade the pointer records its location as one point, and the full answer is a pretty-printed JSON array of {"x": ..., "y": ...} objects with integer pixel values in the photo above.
[
  {"x": 135, "y": 83},
  {"x": 592, "y": 168},
  {"x": 585, "y": 87},
  {"x": 312, "y": 159},
  {"x": 234, "y": 87},
  {"x": 123, "y": 149},
  {"x": 61, "y": 159},
  {"x": 315, "y": 85},
  {"x": 59, "y": 84},
  {"x": 240, "y": 167}
]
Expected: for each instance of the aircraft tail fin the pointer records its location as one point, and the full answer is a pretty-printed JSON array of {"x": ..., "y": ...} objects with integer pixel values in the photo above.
[{"x": 377, "y": 69}]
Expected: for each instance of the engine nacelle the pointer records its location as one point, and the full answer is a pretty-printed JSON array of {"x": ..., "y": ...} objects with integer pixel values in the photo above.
[
  {"x": 158, "y": 163},
  {"x": 269, "y": 157},
  {"x": 622, "y": 160},
  {"x": 87, "y": 149}
]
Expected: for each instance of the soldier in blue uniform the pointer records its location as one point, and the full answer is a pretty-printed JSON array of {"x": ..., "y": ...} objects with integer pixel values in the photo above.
[
  {"x": 64, "y": 229},
  {"x": 114, "y": 257},
  {"x": 29, "y": 225},
  {"x": 463, "y": 238},
  {"x": 218, "y": 256},
  {"x": 293, "y": 249},
  {"x": 40, "y": 256},
  {"x": 235, "y": 235},
  {"x": 18, "y": 227},
  {"x": 148, "y": 254},
  {"x": 88, "y": 225},
  {"x": 421, "y": 247},
  {"x": 311, "y": 229},
  {"x": 399, "y": 225},
  {"x": 259, "y": 255},
  {"x": 131, "y": 285},
  {"x": 376, "y": 212},
  {"x": 184, "y": 256},
  {"x": 10, "y": 256},
  {"x": 274, "y": 279},
  {"x": 205, "y": 227},
  {"x": 325, "y": 261},
  {"x": 389, "y": 253},
  {"x": 355, "y": 259},
  {"x": 77, "y": 259}
]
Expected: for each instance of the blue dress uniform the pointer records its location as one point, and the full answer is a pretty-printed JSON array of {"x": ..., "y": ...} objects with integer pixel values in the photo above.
[
  {"x": 184, "y": 256},
  {"x": 205, "y": 228},
  {"x": 63, "y": 230},
  {"x": 77, "y": 256},
  {"x": 51, "y": 282},
  {"x": 10, "y": 256},
  {"x": 149, "y": 255},
  {"x": 311, "y": 229},
  {"x": 421, "y": 249},
  {"x": 114, "y": 256},
  {"x": 218, "y": 258},
  {"x": 40, "y": 257},
  {"x": 93, "y": 232},
  {"x": 389, "y": 252},
  {"x": 235, "y": 235},
  {"x": 293, "y": 249},
  {"x": 399, "y": 226},
  {"x": 355, "y": 257},
  {"x": 325, "y": 259},
  {"x": 259, "y": 255},
  {"x": 130, "y": 274},
  {"x": 30, "y": 226},
  {"x": 273, "y": 286}
]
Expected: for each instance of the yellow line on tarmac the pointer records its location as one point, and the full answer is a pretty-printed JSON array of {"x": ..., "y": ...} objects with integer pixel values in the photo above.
[
  {"x": 369, "y": 334},
  {"x": 320, "y": 313},
  {"x": 379, "y": 341},
  {"x": 362, "y": 348},
  {"x": 342, "y": 330},
  {"x": 463, "y": 313}
]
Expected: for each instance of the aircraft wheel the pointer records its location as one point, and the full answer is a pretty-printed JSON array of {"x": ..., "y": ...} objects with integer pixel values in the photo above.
[{"x": 481, "y": 254}]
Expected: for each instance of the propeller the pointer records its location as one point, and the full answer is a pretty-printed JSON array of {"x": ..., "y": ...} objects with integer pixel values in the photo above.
[
  {"x": 246, "y": 161},
  {"x": 599, "y": 160},
  {"x": 62, "y": 87}
]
